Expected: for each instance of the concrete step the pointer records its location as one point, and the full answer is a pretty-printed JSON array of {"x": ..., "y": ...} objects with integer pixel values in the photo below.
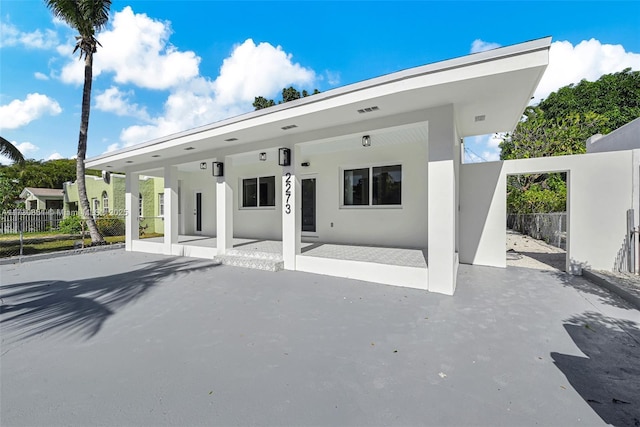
[
  {"x": 250, "y": 262},
  {"x": 254, "y": 254}
]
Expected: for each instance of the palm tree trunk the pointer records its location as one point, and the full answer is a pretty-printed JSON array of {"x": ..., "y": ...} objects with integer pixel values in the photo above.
[{"x": 96, "y": 237}]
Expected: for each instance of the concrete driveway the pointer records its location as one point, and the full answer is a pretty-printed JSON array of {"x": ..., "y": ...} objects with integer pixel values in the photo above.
[{"x": 117, "y": 338}]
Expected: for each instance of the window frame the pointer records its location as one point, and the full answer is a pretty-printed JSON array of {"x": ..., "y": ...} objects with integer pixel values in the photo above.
[
  {"x": 161, "y": 204},
  {"x": 105, "y": 203},
  {"x": 370, "y": 168},
  {"x": 258, "y": 206}
]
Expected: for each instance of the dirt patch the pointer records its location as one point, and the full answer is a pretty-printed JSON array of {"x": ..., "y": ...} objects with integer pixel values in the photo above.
[{"x": 525, "y": 251}]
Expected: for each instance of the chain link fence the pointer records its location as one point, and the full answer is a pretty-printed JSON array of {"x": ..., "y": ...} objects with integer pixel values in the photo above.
[
  {"x": 71, "y": 232},
  {"x": 550, "y": 227}
]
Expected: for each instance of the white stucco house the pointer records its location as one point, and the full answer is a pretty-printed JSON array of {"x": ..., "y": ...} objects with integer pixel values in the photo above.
[{"x": 375, "y": 164}]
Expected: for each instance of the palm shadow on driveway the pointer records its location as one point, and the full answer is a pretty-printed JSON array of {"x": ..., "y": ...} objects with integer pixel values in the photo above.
[
  {"x": 80, "y": 307},
  {"x": 608, "y": 378}
]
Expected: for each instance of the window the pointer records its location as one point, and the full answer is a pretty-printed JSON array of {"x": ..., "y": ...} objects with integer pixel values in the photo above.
[
  {"x": 96, "y": 206},
  {"x": 105, "y": 202},
  {"x": 378, "y": 185},
  {"x": 259, "y": 192},
  {"x": 140, "y": 204},
  {"x": 161, "y": 204}
]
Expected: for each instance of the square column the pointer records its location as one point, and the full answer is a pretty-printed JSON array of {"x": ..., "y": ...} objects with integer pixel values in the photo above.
[
  {"x": 291, "y": 217},
  {"x": 442, "y": 208},
  {"x": 170, "y": 208},
  {"x": 132, "y": 203},
  {"x": 442, "y": 258},
  {"x": 224, "y": 215}
]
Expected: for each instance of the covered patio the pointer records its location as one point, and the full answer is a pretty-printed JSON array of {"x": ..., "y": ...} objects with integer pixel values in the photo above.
[{"x": 382, "y": 263}]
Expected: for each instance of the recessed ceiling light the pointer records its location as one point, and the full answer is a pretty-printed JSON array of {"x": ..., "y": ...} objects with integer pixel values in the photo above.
[
  {"x": 368, "y": 109},
  {"x": 156, "y": 155},
  {"x": 231, "y": 139},
  {"x": 189, "y": 148},
  {"x": 109, "y": 166},
  {"x": 129, "y": 161},
  {"x": 289, "y": 127},
  {"x": 480, "y": 118}
]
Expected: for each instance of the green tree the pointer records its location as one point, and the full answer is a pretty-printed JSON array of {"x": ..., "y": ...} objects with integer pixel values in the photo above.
[
  {"x": 288, "y": 94},
  {"x": 87, "y": 17},
  {"x": 10, "y": 151},
  {"x": 560, "y": 125}
]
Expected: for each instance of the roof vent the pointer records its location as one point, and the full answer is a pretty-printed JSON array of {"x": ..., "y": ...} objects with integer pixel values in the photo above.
[
  {"x": 368, "y": 109},
  {"x": 289, "y": 127},
  {"x": 480, "y": 118},
  {"x": 231, "y": 139}
]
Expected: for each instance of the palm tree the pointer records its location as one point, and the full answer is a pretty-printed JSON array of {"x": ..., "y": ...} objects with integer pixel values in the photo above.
[
  {"x": 10, "y": 151},
  {"x": 87, "y": 17}
]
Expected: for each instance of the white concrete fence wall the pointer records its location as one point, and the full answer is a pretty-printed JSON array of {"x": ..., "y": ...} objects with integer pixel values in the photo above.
[{"x": 601, "y": 188}]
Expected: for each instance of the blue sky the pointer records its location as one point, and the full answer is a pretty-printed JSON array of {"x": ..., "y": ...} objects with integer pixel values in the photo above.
[{"x": 170, "y": 65}]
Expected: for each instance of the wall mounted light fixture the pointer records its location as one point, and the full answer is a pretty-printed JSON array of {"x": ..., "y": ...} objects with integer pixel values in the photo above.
[
  {"x": 366, "y": 141},
  {"x": 203, "y": 165},
  {"x": 217, "y": 168},
  {"x": 262, "y": 157},
  {"x": 284, "y": 157}
]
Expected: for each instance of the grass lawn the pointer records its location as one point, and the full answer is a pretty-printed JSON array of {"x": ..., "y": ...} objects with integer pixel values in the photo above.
[{"x": 43, "y": 243}]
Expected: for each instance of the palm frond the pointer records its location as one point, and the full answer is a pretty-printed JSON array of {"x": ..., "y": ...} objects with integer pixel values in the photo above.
[{"x": 10, "y": 151}]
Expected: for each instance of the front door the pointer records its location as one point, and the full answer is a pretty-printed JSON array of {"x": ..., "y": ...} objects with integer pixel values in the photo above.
[
  {"x": 197, "y": 212},
  {"x": 309, "y": 205}
]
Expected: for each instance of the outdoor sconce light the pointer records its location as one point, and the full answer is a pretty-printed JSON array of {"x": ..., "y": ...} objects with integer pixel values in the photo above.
[
  {"x": 263, "y": 157},
  {"x": 284, "y": 157},
  {"x": 218, "y": 168},
  {"x": 305, "y": 164},
  {"x": 203, "y": 165},
  {"x": 366, "y": 141}
]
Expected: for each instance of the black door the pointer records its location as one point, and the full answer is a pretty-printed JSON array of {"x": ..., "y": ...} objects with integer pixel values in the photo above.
[{"x": 309, "y": 205}]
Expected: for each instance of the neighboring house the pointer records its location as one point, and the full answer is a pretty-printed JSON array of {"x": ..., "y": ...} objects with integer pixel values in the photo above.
[
  {"x": 107, "y": 196},
  {"x": 42, "y": 198},
  {"x": 378, "y": 164},
  {"x": 626, "y": 137}
]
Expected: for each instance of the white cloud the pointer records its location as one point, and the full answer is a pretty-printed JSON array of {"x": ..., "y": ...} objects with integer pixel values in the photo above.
[
  {"x": 19, "y": 113},
  {"x": 26, "y": 148},
  {"x": 55, "y": 156},
  {"x": 12, "y": 36},
  {"x": 587, "y": 60},
  {"x": 40, "y": 76},
  {"x": 481, "y": 45},
  {"x": 249, "y": 71},
  {"x": 257, "y": 69},
  {"x": 137, "y": 51},
  {"x": 115, "y": 101}
]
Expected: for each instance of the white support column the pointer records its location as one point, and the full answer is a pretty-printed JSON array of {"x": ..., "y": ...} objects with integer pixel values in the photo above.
[
  {"x": 442, "y": 208},
  {"x": 170, "y": 208},
  {"x": 132, "y": 223},
  {"x": 224, "y": 214},
  {"x": 291, "y": 217},
  {"x": 442, "y": 262}
]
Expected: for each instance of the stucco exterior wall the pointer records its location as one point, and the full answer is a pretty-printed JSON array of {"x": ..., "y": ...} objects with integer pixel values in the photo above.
[
  {"x": 402, "y": 225},
  {"x": 600, "y": 191},
  {"x": 190, "y": 183}
]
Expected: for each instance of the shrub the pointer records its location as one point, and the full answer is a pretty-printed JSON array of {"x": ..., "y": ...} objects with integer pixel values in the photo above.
[
  {"x": 109, "y": 225},
  {"x": 71, "y": 225}
]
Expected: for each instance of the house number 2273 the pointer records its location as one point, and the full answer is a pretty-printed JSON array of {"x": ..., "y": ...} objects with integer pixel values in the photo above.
[{"x": 287, "y": 193}]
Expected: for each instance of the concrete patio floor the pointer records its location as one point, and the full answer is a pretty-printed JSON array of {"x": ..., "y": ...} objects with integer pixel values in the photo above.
[{"x": 120, "y": 338}]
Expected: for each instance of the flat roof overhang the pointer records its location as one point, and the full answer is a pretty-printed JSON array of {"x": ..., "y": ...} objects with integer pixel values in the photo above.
[{"x": 488, "y": 90}]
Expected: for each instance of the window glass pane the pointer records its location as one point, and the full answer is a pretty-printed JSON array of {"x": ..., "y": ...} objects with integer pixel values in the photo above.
[
  {"x": 250, "y": 192},
  {"x": 387, "y": 185},
  {"x": 268, "y": 191},
  {"x": 161, "y": 204},
  {"x": 356, "y": 187}
]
